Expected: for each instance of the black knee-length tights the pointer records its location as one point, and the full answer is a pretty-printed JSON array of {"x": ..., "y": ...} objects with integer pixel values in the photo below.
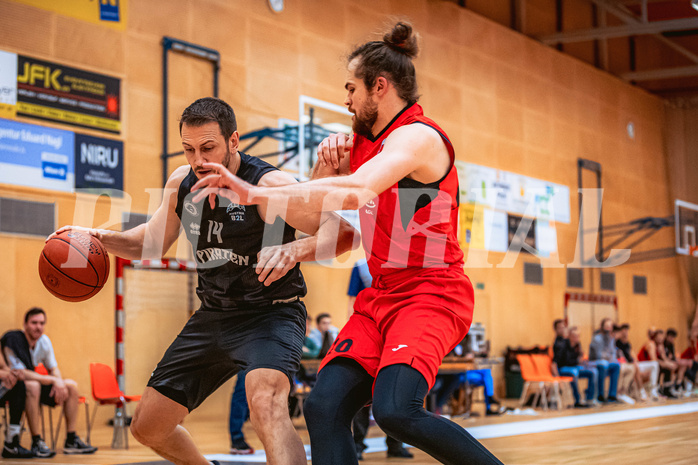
[{"x": 343, "y": 387}]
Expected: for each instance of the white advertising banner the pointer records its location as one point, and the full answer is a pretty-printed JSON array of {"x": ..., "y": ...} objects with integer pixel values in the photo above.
[
  {"x": 513, "y": 193},
  {"x": 8, "y": 84}
]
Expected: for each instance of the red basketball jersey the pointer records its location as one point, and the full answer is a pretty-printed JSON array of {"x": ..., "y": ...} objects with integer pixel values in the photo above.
[{"x": 410, "y": 224}]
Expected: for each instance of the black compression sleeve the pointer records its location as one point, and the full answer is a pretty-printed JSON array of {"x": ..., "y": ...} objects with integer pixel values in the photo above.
[
  {"x": 398, "y": 399},
  {"x": 342, "y": 388}
]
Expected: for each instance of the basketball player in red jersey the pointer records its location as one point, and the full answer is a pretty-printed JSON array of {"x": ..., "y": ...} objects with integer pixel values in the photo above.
[{"x": 400, "y": 175}]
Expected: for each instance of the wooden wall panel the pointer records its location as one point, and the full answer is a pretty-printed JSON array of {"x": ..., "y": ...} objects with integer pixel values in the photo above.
[{"x": 505, "y": 100}]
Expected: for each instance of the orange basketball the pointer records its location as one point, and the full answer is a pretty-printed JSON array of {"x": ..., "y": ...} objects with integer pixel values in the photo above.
[{"x": 74, "y": 266}]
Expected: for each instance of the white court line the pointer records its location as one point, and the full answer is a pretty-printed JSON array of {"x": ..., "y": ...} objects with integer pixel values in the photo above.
[
  {"x": 578, "y": 421},
  {"x": 516, "y": 428},
  {"x": 258, "y": 457}
]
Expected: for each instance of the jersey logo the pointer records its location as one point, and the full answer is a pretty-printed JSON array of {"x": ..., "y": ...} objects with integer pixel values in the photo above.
[
  {"x": 194, "y": 229},
  {"x": 191, "y": 208},
  {"x": 368, "y": 208},
  {"x": 401, "y": 346},
  {"x": 236, "y": 212},
  {"x": 214, "y": 229},
  {"x": 214, "y": 254}
]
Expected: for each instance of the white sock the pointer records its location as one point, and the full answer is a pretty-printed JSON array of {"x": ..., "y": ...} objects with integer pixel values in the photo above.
[{"x": 12, "y": 431}]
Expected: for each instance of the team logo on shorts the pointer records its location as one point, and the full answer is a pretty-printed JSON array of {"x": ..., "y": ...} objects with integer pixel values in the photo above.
[
  {"x": 191, "y": 208},
  {"x": 236, "y": 212}
]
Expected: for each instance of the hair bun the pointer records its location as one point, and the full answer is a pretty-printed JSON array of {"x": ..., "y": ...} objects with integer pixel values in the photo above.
[{"x": 401, "y": 39}]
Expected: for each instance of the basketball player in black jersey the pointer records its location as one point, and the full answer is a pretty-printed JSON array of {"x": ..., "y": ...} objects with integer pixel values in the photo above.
[{"x": 251, "y": 317}]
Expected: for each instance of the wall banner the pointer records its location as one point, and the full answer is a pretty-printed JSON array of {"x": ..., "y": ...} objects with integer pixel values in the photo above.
[
  {"x": 513, "y": 193},
  {"x": 99, "y": 164},
  {"x": 110, "y": 13},
  {"x": 483, "y": 228},
  {"x": 54, "y": 92},
  {"x": 36, "y": 156},
  {"x": 8, "y": 84}
]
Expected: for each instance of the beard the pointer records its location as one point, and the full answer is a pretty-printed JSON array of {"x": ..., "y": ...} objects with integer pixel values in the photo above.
[
  {"x": 225, "y": 162},
  {"x": 227, "y": 157},
  {"x": 363, "y": 125}
]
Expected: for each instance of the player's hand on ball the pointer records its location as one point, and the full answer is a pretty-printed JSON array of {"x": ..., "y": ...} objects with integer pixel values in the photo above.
[
  {"x": 224, "y": 183},
  {"x": 91, "y": 231},
  {"x": 274, "y": 262},
  {"x": 333, "y": 148}
]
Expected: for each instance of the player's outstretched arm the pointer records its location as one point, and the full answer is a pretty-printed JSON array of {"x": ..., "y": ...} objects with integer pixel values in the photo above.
[
  {"x": 146, "y": 241},
  {"x": 328, "y": 235},
  {"x": 408, "y": 150}
]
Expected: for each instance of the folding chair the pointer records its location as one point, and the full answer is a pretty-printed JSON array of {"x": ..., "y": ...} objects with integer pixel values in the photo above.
[
  {"x": 105, "y": 391},
  {"x": 55, "y": 433},
  {"x": 542, "y": 363}
]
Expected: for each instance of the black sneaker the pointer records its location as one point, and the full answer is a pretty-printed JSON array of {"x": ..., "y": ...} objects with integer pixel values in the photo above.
[
  {"x": 581, "y": 405},
  {"x": 40, "y": 449},
  {"x": 240, "y": 447},
  {"x": 77, "y": 446},
  {"x": 400, "y": 453},
  {"x": 13, "y": 450}
]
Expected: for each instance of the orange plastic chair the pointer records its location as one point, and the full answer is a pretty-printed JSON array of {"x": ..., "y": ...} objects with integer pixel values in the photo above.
[
  {"x": 105, "y": 391},
  {"x": 41, "y": 369},
  {"x": 531, "y": 377},
  {"x": 542, "y": 363}
]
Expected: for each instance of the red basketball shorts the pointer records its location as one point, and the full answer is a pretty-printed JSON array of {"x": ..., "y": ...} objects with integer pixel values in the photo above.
[{"x": 411, "y": 316}]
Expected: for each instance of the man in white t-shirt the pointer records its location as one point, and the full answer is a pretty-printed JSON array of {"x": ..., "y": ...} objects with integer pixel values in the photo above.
[{"x": 25, "y": 350}]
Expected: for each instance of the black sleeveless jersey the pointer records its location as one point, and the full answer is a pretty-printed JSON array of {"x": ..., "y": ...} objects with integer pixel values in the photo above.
[{"x": 226, "y": 241}]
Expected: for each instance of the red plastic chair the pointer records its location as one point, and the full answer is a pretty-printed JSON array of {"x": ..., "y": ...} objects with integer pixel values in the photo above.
[
  {"x": 105, "y": 391},
  {"x": 41, "y": 369}
]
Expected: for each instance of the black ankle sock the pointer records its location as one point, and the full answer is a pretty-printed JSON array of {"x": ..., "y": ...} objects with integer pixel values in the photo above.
[{"x": 70, "y": 437}]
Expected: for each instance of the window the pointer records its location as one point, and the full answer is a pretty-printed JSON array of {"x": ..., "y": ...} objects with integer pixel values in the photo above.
[
  {"x": 608, "y": 281},
  {"x": 640, "y": 285},
  {"x": 27, "y": 217},
  {"x": 533, "y": 273},
  {"x": 575, "y": 277},
  {"x": 131, "y": 220}
]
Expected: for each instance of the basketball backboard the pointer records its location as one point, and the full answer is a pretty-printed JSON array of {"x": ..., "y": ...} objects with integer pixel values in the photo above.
[
  {"x": 686, "y": 225},
  {"x": 318, "y": 119}
]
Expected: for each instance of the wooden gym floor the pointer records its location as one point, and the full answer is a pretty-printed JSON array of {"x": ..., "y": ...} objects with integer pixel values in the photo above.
[{"x": 667, "y": 440}]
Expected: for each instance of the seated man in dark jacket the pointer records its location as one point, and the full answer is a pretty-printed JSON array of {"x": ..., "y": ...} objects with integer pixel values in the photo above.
[
  {"x": 12, "y": 391},
  {"x": 567, "y": 354}
]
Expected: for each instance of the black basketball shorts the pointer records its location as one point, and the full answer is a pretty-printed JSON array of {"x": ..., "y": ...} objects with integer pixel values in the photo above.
[{"x": 215, "y": 345}]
